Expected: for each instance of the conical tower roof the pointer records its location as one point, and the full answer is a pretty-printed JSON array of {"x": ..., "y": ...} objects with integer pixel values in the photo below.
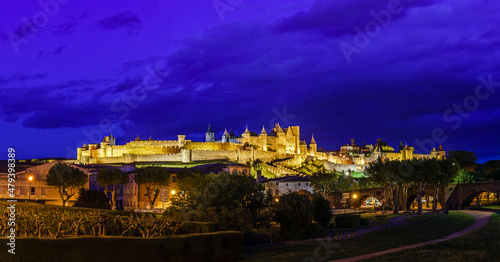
[
  {"x": 263, "y": 132},
  {"x": 137, "y": 138},
  {"x": 313, "y": 142},
  {"x": 225, "y": 133},
  {"x": 433, "y": 150},
  {"x": 231, "y": 134},
  {"x": 246, "y": 131},
  {"x": 440, "y": 148},
  {"x": 209, "y": 130},
  {"x": 278, "y": 128}
]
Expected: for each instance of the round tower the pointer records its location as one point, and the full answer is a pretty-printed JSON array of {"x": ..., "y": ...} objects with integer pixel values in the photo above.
[{"x": 209, "y": 135}]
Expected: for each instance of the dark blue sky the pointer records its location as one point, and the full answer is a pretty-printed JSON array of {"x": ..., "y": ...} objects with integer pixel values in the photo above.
[{"x": 421, "y": 72}]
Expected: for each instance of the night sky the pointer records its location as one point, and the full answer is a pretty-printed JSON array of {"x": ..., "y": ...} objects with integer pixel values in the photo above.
[{"x": 408, "y": 71}]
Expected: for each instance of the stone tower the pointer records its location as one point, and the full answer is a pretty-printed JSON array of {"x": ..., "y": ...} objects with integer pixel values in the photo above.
[
  {"x": 209, "y": 135},
  {"x": 263, "y": 139},
  {"x": 225, "y": 136},
  {"x": 441, "y": 153},
  {"x": 313, "y": 147}
]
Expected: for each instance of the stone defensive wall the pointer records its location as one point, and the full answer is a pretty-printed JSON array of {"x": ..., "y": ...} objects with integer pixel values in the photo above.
[
  {"x": 343, "y": 167},
  {"x": 129, "y": 158},
  {"x": 211, "y": 146}
]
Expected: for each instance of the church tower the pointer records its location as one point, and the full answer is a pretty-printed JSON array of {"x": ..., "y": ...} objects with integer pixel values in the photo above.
[{"x": 209, "y": 135}]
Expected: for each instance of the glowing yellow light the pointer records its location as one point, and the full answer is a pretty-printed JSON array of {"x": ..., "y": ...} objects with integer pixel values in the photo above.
[
  {"x": 354, "y": 196},
  {"x": 277, "y": 200},
  {"x": 172, "y": 192},
  {"x": 30, "y": 178}
]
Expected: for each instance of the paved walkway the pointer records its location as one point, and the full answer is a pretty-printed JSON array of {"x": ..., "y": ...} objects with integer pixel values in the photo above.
[{"x": 481, "y": 219}]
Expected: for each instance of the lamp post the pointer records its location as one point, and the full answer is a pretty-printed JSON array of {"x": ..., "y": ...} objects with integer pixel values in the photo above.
[{"x": 30, "y": 178}]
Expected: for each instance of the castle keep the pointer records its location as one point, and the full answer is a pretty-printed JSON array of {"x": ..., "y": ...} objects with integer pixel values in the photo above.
[{"x": 279, "y": 144}]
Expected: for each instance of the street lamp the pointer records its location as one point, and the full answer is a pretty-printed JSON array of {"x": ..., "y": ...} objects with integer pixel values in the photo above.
[
  {"x": 173, "y": 192},
  {"x": 30, "y": 178}
]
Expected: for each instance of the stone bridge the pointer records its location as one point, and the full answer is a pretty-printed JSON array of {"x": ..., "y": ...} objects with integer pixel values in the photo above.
[{"x": 455, "y": 196}]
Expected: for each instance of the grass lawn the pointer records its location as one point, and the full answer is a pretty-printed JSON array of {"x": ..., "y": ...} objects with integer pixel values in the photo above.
[
  {"x": 421, "y": 230},
  {"x": 495, "y": 207},
  {"x": 480, "y": 245}
]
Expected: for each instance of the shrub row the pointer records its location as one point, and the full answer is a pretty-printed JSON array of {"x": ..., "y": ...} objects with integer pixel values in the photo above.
[{"x": 218, "y": 246}]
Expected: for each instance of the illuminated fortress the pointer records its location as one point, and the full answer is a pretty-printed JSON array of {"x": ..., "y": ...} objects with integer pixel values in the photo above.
[{"x": 278, "y": 144}]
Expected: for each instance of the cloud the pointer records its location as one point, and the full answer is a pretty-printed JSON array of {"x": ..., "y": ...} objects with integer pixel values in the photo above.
[
  {"x": 54, "y": 52},
  {"x": 127, "y": 20}
]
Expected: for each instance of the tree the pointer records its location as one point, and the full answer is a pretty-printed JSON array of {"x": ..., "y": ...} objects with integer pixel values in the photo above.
[
  {"x": 466, "y": 159},
  {"x": 199, "y": 191},
  {"x": 92, "y": 199},
  {"x": 448, "y": 171},
  {"x": 424, "y": 171},
  {"x": 112, "y": 180},
  {"x": 322, "y": 211},
  {"x": 153, "y": 178},
  {"x": 464, "y": 177},
  {"x": 324, "y": 183},
  {"x": 68, "y": 180},
  {"x": 294, "y": 213}
]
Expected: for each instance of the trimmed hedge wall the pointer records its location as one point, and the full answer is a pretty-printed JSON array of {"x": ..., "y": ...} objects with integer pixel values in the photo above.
[
  {"x": 347, "y": 220},
  {"x": 217, "y": 246}
]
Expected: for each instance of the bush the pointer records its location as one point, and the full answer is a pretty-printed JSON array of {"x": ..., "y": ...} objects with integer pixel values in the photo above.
[
  {"x": 92, "y": 199},
  {"x": 294, "y": 213},
  {"x": 199, "y": 227},
  {"x": 218, "y": 246},
  {"x": 347, "y": 220},
  {"x": 322, "y": 210},
  {"x": 364, "y": 222}
]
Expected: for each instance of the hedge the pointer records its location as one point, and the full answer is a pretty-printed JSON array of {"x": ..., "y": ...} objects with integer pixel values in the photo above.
[
  {"x": 217, "y": 246},
  {"x": 347, "y": 220}
]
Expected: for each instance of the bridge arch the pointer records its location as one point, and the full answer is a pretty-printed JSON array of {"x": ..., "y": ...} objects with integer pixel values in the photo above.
[{"x": 468, "y": 199}]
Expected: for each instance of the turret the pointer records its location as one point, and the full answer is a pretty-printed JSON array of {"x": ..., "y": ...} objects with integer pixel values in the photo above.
[
  {"x": 313, "y": 147},
  {"x": 209, "y": 135},
  {"x": 225, "y": 136},
  {"x": 246, "y": 134},
  {"x": 441, "y": 153}
]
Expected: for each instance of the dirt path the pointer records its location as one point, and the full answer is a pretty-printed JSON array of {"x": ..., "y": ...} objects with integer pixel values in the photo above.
[{"x": 481, "y": 219}]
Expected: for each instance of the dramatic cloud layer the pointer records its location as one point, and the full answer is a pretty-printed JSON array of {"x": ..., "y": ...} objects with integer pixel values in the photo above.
[{"x": 402, "y": 71}]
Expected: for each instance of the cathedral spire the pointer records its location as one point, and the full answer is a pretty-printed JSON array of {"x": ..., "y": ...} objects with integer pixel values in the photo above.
[{"x": 440, "y": 148}]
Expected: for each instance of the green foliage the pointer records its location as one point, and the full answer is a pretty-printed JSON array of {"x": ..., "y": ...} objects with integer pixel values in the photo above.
[
  {"x": 294, "y": 213},
  {"x": 154, "y": 178},
  {"x": 92, "y": 199},
  {"x": 322, "y": 212},
  {"x": 358, "y": 174},
  {"x": 264, "y": 170},
  {"x": 217, "y": 246},
  {"x": 312, "y": 167},
  {"x": 111, "y": 180},
  {"x": 464, "y": 158},
  {"x": 464, "y": 177},
  {"x": 210, "y": 194},
  {"x": 347, "y": 221},
  {"x": 68, "y": 180},
  {"x": 494, "y": 175},
  {"x": 323, "y": 183},
  {"x": 364, "y": 222},
  {"x": 386, "y": 148}
]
